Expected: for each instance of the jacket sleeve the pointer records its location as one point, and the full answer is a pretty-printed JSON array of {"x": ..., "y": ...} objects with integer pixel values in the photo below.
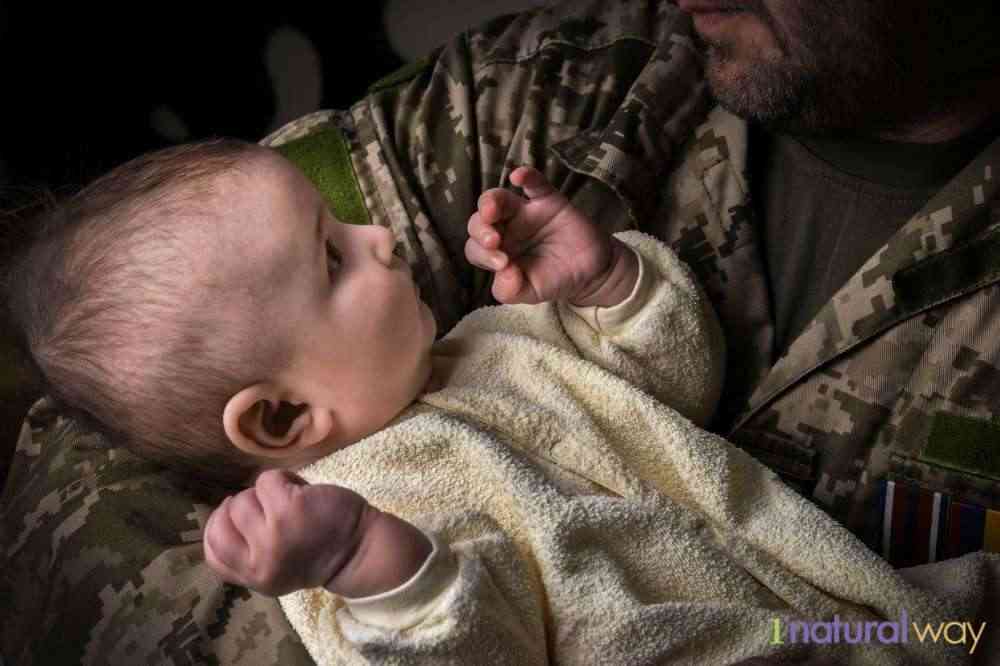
[{"x": 531, "y": 88}]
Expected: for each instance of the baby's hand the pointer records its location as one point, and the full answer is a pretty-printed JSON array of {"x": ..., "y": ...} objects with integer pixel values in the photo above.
[
  {"x": 543, "y": 248},
  {"x": 284, "y": 535}
]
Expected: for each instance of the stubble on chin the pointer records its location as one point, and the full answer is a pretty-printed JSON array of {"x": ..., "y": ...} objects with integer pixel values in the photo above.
[
  {"x": 762, "y": 92},
  {"x": 810, "y": 84}
]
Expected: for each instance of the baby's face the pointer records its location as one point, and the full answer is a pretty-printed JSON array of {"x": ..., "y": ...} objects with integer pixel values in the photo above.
[{"x": 344, "y": 303}]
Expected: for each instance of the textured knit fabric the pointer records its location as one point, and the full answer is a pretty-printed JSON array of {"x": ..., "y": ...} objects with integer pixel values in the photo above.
[{"x": 578, "y": 519}]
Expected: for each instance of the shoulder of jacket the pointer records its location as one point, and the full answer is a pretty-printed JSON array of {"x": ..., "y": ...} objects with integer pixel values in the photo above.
[
  {"x": 581, "y": 24},
  {"x": 586, "y": 25}
]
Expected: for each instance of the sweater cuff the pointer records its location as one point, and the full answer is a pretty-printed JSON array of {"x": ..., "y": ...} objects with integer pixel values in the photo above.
[
  {"x": 411, "y": 602},
  {"x": 606, "y": 320}
]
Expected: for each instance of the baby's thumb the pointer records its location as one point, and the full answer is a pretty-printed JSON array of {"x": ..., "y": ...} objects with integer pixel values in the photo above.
[
  {"x": 532, "y": 181},
  {"x": 510, "y": 287}
]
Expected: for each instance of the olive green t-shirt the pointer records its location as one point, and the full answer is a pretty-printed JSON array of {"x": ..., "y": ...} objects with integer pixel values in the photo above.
[{"x": 825, "y": 205}]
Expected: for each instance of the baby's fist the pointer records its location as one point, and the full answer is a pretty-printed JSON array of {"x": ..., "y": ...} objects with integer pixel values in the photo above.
[
  {"x": 540, "y": 246},
  {"x": 283, "y": 534}
]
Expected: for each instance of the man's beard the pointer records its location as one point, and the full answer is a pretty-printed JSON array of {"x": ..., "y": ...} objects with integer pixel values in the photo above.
[
  {"x": 769, "y": 94},
  {"x": 836, "y": 75}
]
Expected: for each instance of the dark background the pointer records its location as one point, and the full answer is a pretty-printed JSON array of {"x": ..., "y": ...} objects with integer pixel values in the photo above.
[{"x": 87, "y": 86}]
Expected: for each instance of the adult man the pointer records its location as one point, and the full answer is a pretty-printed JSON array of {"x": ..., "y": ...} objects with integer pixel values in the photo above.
[
  {"x": 881, "y": 370},
  {"x": 885, "y": 365}
]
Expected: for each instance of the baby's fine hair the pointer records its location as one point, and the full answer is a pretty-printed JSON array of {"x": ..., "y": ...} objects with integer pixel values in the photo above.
[{"x": 124, "y": 335}]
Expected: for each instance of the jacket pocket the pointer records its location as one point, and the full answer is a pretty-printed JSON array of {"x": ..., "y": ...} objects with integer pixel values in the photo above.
[{"x": 793, "y": 462}]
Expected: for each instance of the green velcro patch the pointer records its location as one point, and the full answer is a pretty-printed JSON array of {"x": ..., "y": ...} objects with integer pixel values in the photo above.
[
  {"x": 324, "y": 158},
  {"x": 949, "y": 273},
  {"x": 965, "y": 444},
  {"x": 404, "y": 73}
]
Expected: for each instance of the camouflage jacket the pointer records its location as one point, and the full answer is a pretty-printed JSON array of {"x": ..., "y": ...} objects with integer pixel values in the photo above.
[{"x": 102, "y": 554}]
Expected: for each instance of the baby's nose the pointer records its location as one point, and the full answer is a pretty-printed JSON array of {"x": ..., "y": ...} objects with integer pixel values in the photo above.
[{"x": 384, "y": 244}]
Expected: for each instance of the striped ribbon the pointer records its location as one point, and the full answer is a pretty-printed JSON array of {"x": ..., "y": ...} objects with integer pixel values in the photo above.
[{"x": 921, "y": 526}]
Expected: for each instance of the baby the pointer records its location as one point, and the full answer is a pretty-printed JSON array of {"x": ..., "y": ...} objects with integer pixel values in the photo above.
[
  {"x": 542, "y": 249},
  {"x": 516, "y": 492}
]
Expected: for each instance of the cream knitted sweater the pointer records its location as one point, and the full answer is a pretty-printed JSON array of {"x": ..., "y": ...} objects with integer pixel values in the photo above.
[{"x": 579, "y": 519}]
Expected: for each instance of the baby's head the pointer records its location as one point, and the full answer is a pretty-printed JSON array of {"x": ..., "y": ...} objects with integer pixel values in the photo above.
[{"x": 202, "y": 306}]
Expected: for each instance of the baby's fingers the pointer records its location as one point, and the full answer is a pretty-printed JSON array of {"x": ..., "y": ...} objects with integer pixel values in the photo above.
[
  {"x": 485, "y": 258},
  {"x": 532, "y": 181},
  {"x": 226, "y": 549},
  {"x": 498, "y": 205},
  {"x": 484, "y": 234}
]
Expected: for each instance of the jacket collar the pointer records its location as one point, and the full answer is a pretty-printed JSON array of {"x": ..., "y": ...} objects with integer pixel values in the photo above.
[{"x": 952, "y": 235}]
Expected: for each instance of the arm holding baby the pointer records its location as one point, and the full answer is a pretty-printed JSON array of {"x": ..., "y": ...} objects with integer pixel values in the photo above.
[{"x": 283, "y": 534}]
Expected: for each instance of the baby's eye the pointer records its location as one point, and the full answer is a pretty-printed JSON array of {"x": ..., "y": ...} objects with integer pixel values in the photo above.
[{"x": 333, "y": 258}]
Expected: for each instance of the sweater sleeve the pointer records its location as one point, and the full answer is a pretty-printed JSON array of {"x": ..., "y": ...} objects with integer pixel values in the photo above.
[
  {"x": 413, "y": 601},
  {"x": 664, "y": 338},
  {"x": 473, "y": 602}
]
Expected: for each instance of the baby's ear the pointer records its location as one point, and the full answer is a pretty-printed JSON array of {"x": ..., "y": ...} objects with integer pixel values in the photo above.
[{"x": 259, "y": 422}]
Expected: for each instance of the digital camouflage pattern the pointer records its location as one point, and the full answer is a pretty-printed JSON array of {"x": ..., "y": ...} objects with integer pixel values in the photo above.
[
  {"x": 103, "y": 561},
  {"x": 910, "y": 341}
]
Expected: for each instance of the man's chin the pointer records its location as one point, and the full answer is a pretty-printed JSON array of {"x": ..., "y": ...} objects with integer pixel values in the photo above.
[{"x": 758, "y": 92}]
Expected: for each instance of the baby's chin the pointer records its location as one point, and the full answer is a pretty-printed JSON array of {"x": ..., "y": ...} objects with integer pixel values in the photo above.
[{"x": 434, "y": 381}]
